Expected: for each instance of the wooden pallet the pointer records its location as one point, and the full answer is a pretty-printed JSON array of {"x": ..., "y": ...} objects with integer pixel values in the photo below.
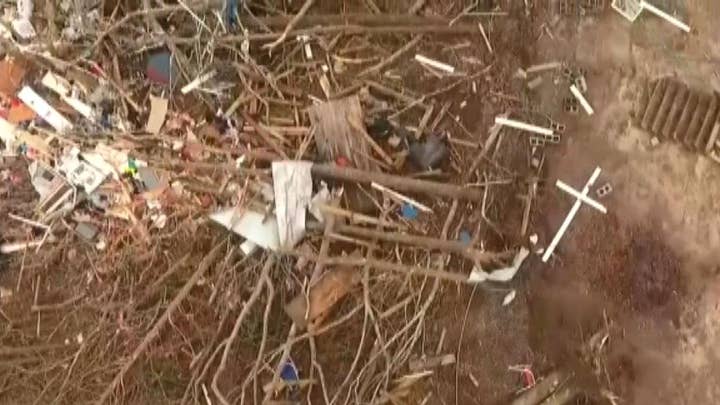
[{"x": 671, "y": 111}]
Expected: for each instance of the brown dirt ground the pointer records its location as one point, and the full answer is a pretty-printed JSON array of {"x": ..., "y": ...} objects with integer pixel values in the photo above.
[
  {"x": 645, "y": 266},
  {"x": 648, "y": 266}
]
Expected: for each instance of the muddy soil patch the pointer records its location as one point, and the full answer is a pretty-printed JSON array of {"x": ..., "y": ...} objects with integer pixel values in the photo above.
[{"x": 608, "y": 278}]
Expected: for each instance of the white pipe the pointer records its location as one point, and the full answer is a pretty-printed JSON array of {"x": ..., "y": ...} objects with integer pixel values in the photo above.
[
  {"x": 553, "y": 244},
  {"x": 485, "y": 37},
  {"x": 28, "y": 221},
  {"x": 523, "y": 126},
  {"x": 665, "y": 16},
  {"x": 197, "y": 82},
  {"x": 437, "y": 65},
  {"x": 38, "y": 104},
  {"x": 543, "y": 66},
  {"x": 583, "y": 101},
  {"x": 12, "y": 247},
  {"x": 582, "y": 197},
  {"x": 401, "y": 197}
]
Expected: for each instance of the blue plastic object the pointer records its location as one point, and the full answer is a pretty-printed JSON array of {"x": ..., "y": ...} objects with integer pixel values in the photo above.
[
  {"x": 289, "y": 372},
  {"x": 409, "y": 211},
  {"x": 159, "y": 67},
  {"x": 231, "y": 12}
]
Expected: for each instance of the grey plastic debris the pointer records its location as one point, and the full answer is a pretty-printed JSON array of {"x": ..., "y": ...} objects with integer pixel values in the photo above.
[
  {"x": 86, "y": 230},
  {"x": 149, "y": 178},
  {"x": 55, "y": 192},
  {"x": 80, "y": 172},
  {"x": 428, "y": 154}
]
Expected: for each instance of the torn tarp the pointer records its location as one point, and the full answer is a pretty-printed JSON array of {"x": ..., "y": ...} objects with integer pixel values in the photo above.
[{"x": 257, "y": 228}]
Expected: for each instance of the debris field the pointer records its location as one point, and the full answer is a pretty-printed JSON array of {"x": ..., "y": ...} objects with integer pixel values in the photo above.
[{"x": 316, "y": 201}]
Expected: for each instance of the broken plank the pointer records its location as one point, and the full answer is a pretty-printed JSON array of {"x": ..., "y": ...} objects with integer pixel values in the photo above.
[{"x": 323, "y": 296}]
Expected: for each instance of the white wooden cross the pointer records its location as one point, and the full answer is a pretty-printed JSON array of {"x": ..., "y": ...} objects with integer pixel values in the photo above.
[{"x": 581, "y": 197}]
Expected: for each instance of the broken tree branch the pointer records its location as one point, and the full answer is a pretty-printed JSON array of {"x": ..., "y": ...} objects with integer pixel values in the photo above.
[
  {"x": 449, "y": 246},
  {"x": 267, "y": 137},
  {"x": 362, "y": 19},
  {"x": 349, "y": 261},
  {"x": 15, "y": 351},
  {"x": 303, "y": 10},
  {"x": 331, "y": 30},
  {"x": 155, "y": 331},
  {"x": 58, "y": 306},
  {"x": 400, "y": 183},
  {"x": 392, "y": 58},
  {"x": 236, "y": 328}
]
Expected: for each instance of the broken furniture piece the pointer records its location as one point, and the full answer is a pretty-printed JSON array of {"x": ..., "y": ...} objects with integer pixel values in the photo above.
[
  {"x": 631, "y": 9},
  {"x": 56, "y": 193},
  {"x": 82, "y": 172},
  {"x": 322, "y": 297}
]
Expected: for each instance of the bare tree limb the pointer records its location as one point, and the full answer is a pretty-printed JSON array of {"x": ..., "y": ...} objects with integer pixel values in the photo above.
[
  {"x": 303, "y": 10},
  {"x": 155, "y": 331},
  {"x": 236, "y": 328}
]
